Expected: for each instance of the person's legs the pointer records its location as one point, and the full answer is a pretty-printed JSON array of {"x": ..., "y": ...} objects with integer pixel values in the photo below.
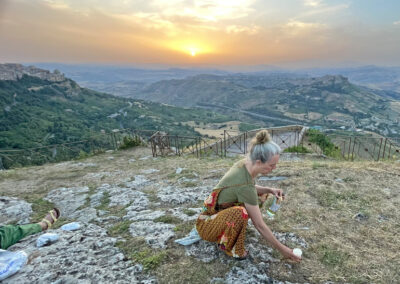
[
  {"x": 11, "y": 234},
  {"x": 227, "y": 228}
]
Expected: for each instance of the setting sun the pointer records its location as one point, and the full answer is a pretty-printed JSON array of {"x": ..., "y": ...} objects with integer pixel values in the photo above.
[{"x": 193, "y": 49}]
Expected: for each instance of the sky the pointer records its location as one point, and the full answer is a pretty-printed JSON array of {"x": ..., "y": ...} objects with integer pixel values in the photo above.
[{"x": 286, "y": 33}]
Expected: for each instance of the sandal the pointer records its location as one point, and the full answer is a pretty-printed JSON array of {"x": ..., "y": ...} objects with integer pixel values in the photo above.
[
  {"x": 53, "y": 218},
  {"x": 246, "y": 255}
]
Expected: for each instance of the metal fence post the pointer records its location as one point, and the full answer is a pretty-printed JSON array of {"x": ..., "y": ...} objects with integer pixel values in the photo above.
[
  {"x": 224, "y": 143},
  {"x": 384, "y": 149},
  {"x": 379, "y": 152}
]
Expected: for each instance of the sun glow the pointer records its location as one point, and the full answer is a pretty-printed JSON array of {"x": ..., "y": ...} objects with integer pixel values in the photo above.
[{"x": 192, "y": 49}]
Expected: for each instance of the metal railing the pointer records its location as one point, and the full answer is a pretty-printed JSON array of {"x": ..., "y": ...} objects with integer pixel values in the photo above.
[
  {"x": 95, "y": 143},
  {"x": 367, "y": 148}
]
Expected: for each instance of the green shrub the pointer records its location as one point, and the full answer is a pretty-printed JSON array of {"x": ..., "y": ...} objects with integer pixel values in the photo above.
[
  {"x": 150, "y": 259},
  {"x": 130, "y": 142},
  {"x": 326, "y": 145},
  {"x": 297, "y": 149}
]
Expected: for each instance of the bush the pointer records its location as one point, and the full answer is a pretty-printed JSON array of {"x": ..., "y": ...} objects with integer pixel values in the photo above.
[
  {"x": 129, "y": 142},
  {"x": 327, "y": 147},
  {"x": 297, "y": 149}
]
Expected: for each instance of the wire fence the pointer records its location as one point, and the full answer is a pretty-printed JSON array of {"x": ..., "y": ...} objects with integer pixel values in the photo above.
[
  {"x": 367, "y": 148},
  {"x": 96, "y": 143},
  {"x": 162, "y": 144}
]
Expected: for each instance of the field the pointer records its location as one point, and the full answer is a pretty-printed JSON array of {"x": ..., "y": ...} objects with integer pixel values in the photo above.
[{"x": 347, "y": 213}]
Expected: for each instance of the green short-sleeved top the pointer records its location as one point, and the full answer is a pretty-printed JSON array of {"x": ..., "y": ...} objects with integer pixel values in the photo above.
[{"x": 245, "y": 192}]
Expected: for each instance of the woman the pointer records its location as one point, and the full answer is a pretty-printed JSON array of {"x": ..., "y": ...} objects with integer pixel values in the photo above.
[{"x": 235, "y": 199}]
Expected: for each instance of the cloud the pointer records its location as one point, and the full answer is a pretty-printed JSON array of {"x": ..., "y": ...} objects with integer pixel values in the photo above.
[
  {"x": 312, "y": 3},
  {"x": 57, "y": 4},
  {"x": 323, "y": 9},
  {"x": 164, "y": 31},
  {"x": 235, "y": 29},
  {"x": 303, "y": 25}
]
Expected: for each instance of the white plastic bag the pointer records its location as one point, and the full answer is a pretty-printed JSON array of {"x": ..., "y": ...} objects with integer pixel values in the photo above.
[
  {"x": 46, "y": 239},
  {"x": 71, "y": 226},
  {"x": 192, "y": 238},
  {"x": 11, "y": 262}
]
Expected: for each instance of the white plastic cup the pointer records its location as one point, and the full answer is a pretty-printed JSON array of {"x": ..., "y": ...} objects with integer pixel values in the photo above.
[{"x": 297, "y": 252}]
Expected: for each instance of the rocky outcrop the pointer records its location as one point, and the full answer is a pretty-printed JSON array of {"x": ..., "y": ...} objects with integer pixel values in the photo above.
[
  {"x": 88, "y": 255},
  {"x": 11, "y": 71},
  {"x": 149, "y": 210},
  {"x": 14, "y": 210}
]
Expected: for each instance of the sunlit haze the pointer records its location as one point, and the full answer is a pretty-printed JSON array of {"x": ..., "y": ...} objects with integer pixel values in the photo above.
[{"x": 291, "y": 33}]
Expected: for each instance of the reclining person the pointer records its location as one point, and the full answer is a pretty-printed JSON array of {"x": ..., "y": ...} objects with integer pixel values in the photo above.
[{"x": 11, "y": 234}]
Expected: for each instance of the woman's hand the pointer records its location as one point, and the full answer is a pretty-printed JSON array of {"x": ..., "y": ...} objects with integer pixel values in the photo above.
[
  {"x": 278, "y": 193},
  {"x": 288, "y": 253}
]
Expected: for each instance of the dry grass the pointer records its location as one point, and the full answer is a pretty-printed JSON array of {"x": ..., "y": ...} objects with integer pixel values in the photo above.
[
  {"x": 323, "y": 198},
  {"x": 215, "y": 129},
  {"x": 342, "y": 246}
]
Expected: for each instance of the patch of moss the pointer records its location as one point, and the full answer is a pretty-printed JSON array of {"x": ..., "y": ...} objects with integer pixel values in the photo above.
[
  {"x": 332, "y": 257},
  {"x": 120, "y": 229},
  {"x": 40, "y": 208},
  {"x": 168, "y": 219},
  {"x": 189, "y": 212},
  {"x": 150, "y": 259},
  {"x": 105, "y": 201}
]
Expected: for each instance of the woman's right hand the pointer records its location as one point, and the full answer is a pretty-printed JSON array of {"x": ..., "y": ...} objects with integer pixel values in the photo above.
[{"x": 288, "y": 253}]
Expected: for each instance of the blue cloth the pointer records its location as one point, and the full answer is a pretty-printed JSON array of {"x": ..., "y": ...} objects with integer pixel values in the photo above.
[
  {"x": 71, "y": 226},
  {"x": 192, "y": 238},
  {"x": 46, "y": 239},
  {"x": 11, "y": 262}
]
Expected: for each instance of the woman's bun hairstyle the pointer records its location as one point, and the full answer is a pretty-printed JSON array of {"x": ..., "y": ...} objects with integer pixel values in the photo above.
[
  {"x": 262, "y": 147},
  {"x": 262, "y": 137}
]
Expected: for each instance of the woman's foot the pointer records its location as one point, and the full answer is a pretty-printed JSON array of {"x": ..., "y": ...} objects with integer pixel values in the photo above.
[
  {"x": 50, "y": 219},
  {"x": 245, "y": 256}
]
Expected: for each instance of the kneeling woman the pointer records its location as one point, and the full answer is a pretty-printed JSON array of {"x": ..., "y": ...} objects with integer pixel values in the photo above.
[{"x": 235, "y": 199}]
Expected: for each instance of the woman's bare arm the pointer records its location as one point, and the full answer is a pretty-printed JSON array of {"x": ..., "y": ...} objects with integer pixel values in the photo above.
[{"x": 256, "y": 217}]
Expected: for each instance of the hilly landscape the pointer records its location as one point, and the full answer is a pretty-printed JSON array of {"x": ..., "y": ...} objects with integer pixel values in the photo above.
[
  {"x": 39, "y": 108},
  {"x": 365, "y": 98},
  {"x": 329, "y": 101}
]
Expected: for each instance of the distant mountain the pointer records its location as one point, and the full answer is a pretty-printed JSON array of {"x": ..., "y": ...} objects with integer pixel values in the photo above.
[
  {"x": 376, "y": 77},
  {"x": 125, "y": 81},
  {"x": 329, "y": 100},
  {"x": 119, "y": 80},
  {"x": 38, "y": 107}
]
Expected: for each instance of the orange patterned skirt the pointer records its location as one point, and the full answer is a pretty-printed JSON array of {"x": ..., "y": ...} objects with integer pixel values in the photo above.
[{"x": 226, "y": 227}]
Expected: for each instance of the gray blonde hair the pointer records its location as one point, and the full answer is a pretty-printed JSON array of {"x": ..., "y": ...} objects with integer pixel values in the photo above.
[{"x": 263, "y": 148}]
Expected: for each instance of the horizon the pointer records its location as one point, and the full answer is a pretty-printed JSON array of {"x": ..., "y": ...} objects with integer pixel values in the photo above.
[
  {"x": 202, "y": 33},
  {"x": 222, "y": 68}
]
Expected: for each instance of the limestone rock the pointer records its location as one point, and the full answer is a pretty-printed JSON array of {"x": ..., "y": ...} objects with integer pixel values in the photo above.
[
  {"x": 14, "y": 210},
  {"x": 119, "y": 196},
  {"x": 138, "y": 181},
  {"x": 249, "y": 273},
  {"x": 155, "y": 234},
  {"x": 149, "y": 171},
  {"x": 176, "y": 195},
  {"x": 68, "y": 199},
  {"x": 145, "y": 215},
  {"x": 203, "y": 250},
  {"x": 286, "y": 237},
  {"x": 84, "y": 256},
  {"x": 85, "y": 215},
  {"x": 180, "y": 213}
]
